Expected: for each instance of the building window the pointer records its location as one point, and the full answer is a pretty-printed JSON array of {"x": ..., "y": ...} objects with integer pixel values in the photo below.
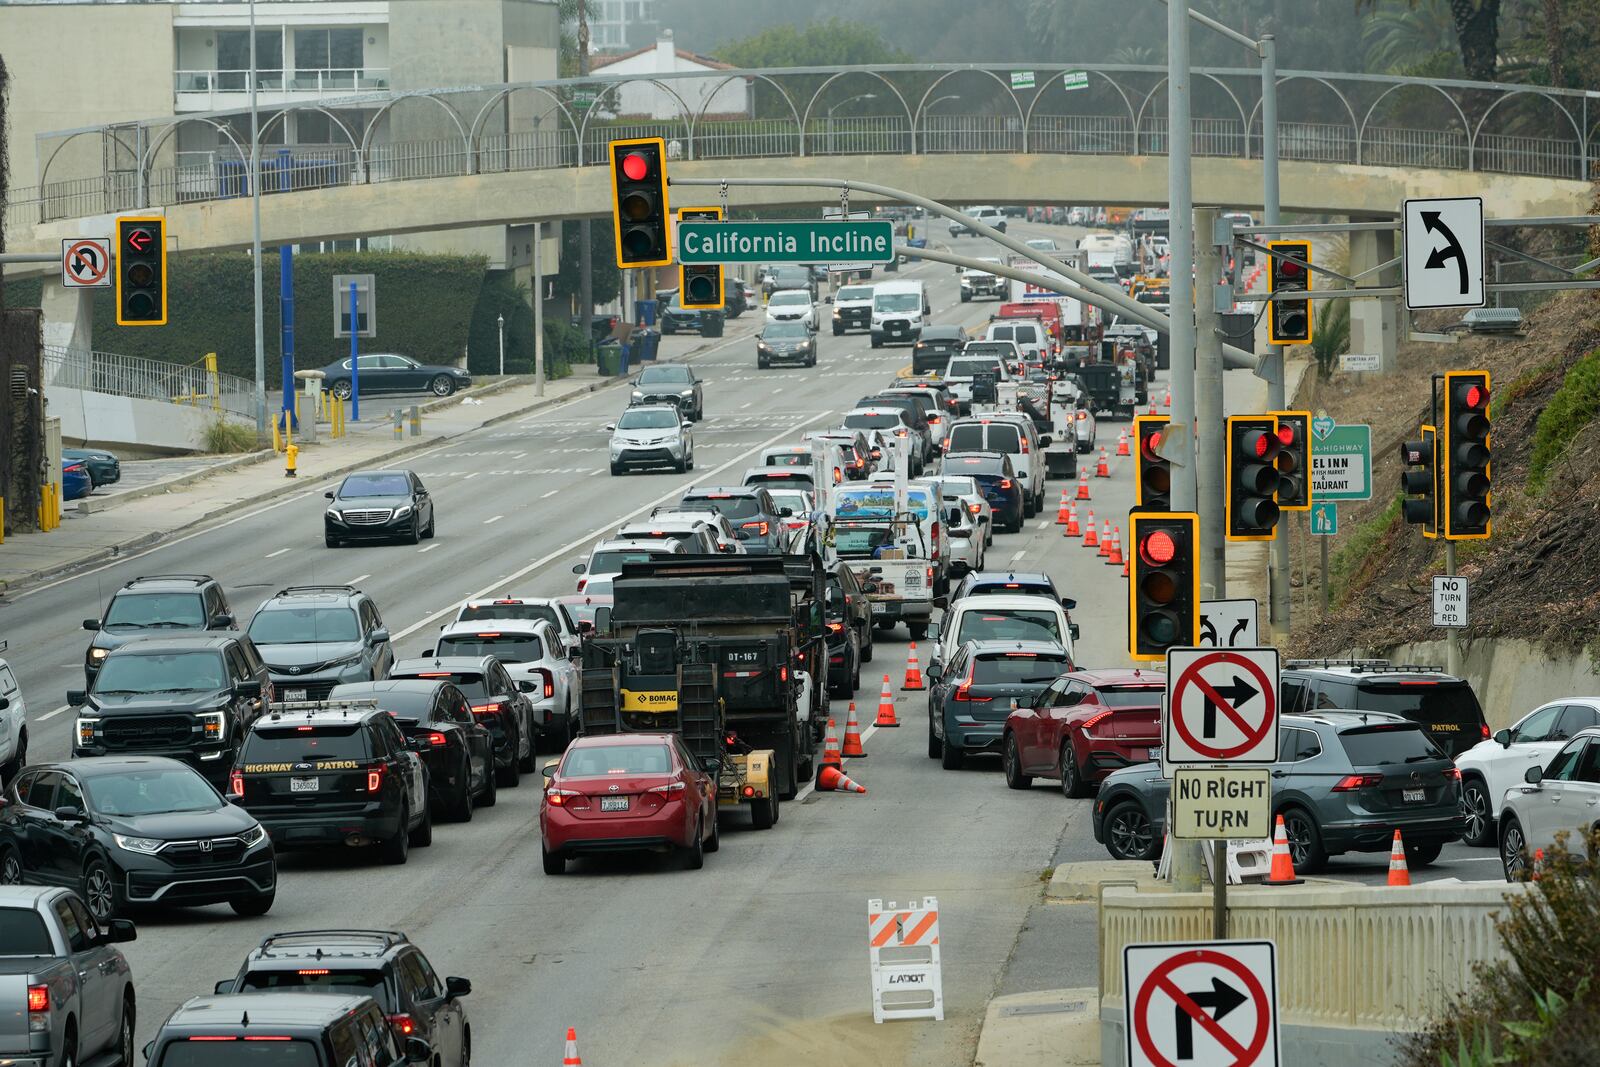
[
  {"x": 327, "y": 58},
  {"x": 233, "y": 58}
]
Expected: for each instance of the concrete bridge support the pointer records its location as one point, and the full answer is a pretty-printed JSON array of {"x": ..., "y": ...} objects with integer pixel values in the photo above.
[
  {"x": 1375, "y": 324},
  {"x": 68, "y": 316}
]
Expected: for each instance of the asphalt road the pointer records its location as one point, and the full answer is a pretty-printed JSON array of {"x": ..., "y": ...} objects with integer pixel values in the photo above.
[{"x": 761, "y": 956}]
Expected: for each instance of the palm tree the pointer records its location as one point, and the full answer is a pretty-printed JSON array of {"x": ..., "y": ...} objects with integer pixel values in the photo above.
[
  {"x": 1401, "y": 38},
  {"x": 1137, "y": 55}
]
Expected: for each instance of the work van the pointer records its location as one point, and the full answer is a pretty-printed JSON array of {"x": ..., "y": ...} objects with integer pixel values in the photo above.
[{"x": 899, "y": 310}]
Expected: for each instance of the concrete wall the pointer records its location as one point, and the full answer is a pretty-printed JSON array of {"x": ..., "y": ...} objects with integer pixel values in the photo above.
[
  {"x": 107, "y": 421},
  {"x": 1510, "y": 677}
]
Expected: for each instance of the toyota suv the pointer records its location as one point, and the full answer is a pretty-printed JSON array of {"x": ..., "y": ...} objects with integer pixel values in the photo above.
[
  {"x": 651, "y": 436},
  {"x": 156, "y": 606},
  {"x": 1444, "y": 706},
  {"x": 315, "y": 637}
]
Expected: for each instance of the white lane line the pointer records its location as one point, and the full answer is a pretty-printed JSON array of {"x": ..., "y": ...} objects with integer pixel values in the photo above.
[
  {"x": 743, "y": 406},
  {"x": 496, "y": 518},
  {"x": 430, "y": 548},
  {"x": 1044, "y": 524},
  {"x": 471, "y": 476},
  {"x": 52, "y": 714},
  {"x": 1019, "y": 554},
  {"x": 280, "y": 552},
  {"x": 358, "y": 578},
  {"x": 547, "y": 496}
]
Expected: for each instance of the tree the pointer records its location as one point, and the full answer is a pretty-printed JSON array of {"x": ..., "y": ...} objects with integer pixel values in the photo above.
[
  {"x": 1477, "y": 25},
  {"x": 818, "y": 44},
  {"x": 607, "y": 283},
  {"x": 1406, "y": 39}
]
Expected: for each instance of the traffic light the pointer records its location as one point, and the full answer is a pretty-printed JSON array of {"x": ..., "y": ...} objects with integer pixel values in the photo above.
[
  {"x": 1294, "y": 460},
  {"x": 1164, "y": 585},
  {"x": 1252, "y": 511},
  {"x": 700, "y": 284},
  {"x": 141, "y": 270},
  {"x": 639, "y": 202},
  {"x": 1152, "y": 475},
  {"x": 1464, "y": 455},
  {"x": 1419, "y": 482},
  {"x": 1289, "y": 321}
]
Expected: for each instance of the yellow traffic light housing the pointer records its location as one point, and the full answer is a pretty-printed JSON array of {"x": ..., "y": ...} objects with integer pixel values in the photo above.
[
  {"x": 141, "y": 270},
  {"x": 700, "y": 284}
]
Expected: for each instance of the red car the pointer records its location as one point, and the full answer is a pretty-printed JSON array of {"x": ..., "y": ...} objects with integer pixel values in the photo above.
[
  {"x": 1084, "y": 726},
  {"x": 624, "y": 793}
]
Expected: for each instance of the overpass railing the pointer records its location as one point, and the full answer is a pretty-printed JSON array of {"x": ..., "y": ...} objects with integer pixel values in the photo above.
[
  {"x": 147, "y": 379},
  {"x": 743, "y": 114}
]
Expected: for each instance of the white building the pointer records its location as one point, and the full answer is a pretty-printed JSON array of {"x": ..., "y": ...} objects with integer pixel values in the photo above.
[
  {"x": 613, "y": 24},
  {"x": 664, "y": 57}
]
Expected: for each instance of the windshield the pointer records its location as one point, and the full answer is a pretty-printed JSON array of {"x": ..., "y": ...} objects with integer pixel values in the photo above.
[
  {"x": 949, "y": 486},
  {"x": 157, "y": 611},
  {"x": 610, "y": 560},
  {"x": 474, "y": 612},
  {"x": 1131, "y": 696},
  {"x": 153, "y": 791},
  {"x": 23, "y": 933},
  {"x": 1001, "y": 333},
  {"x": 861, "y": 540},
  {"x": 973, "y": 438},
  {"x": 665, "y": 376},
  {"x": 177, "y": 672},
  {"x": 1376, "y": 746},
  {"x": 1044, "y": 244},
  {"x": 300, "y": 744},
  {"x": 598, "y": 761},
  {"x": 897, "y": 302},
  {"x": 304, "y": 626},
  {"x": 321, "y": 980},
  {"x": 1009, "y": 624},
  {"x": 734, "y": 507},
  {"x": 214, "y": 1052},
  {"x": 360, "y": 485},
  {"x": 968, "y": 368},
  {"x": 854, "y": 292},
  {"x": 795, "y": 500},
  {"x": 876, "y": 420},
  {"x": 648, "y": 419},
  {"x": 785, "y": 331},
  {"x": 507, "y": 648},
  {"x": 1018, "y": 668},
  {"x": 787, "y": 297}
]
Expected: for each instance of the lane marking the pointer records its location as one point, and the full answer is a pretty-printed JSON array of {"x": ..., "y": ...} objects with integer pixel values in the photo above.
[
  {"x": 358, "y": 578},
  {"x": 280, "y": 552},
  {"x": 496, "y": 518},
  {"x": 1019, "y": 554},
  {"x": 551, "y": 493},
  {"x": 430, "y": 548},
  {"x": 52, "y": 714}
]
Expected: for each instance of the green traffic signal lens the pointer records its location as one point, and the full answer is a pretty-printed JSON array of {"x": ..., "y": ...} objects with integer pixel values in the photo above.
[
  {"x": 638, "y": 242},
  {"x": 701, "y": 290},
  {"x": 1161, "y": 629},
  {"x": 140, "y": 306}
]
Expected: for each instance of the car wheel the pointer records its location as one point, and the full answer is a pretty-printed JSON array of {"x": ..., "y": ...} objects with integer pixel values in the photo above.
[
  {"x": 442, "y": 385},
  {"x": 762, "y": 364},
  {"x": 69, "y": 1048},
  {"x": 1475, "y": 805},
  {"x": 1513, "y": 849},
  {"x": 837, "y": 332},
  {"x": 866, "y": 649},
  {"x": 397, "y": 849},
  {"x": 10, "y": 867},
  {"x": 951, "y": 757},
  {"x": 877, "y": 342},
  {"x": 714, "y": 842},
  {"x": 919, "y": 630},
  {"x": 1128, "y": 833},
  {"x": 935, "y": 749},
  {"x": 554, "y": 862},
  {"x": 125, "y": 1031},
  {"x": 252, "y": 906},
  {"x": 1305, "y": 841},
  {"x": 1011, "y": 764},
  {"x": 341, "y": 389},
  {"x": 100, "y": 891},
  {"x": 615, "y": 470},
  {"x": 428, "y": 530},
  {"x": 330, "y": 540},
  {"x": 413, "y": 535},
  {"x": 694, "y": 857},
  {"x": 509, "y": 776},
  {"x": 461, "y": 804},
  {"x": 530, "y": 763},
  {"x": 491, "y": 788},
  {"x": 422, "y": 836},
  {"x": 1072, "y": 783},
  {"x": 1422, "y": 853}
]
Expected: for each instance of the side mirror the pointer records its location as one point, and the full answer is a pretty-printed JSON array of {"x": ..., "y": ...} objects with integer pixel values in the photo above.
[
  {"x": 548, "y": 770},
  {"x": 933, "y": 672},
  {"x": 224, "y": 986},
  {"x": 91, "y": 624},
  {"x": 933, "y": 631},
  {"x": 586, "y": 627},
  {"x": 785, "y": 512},
  {"x": 941, "y": 602},
  {"x": 121, "y": 931},
  {"x": 1068, "y": 603},
  {"x": 222, "y": 621},
  {"x": 457, "y": 987},
  {"x": 713, "y": 767},
  {"x": 1503, "y": 738},
  {"x": 427, "y": 652},
  {"x": 579, "y": 568},
  {"x": 418, "y": 1050},
  {"x": 610, "y": 427},
  {"x": 250, "y": 690},
  {"x": 378, "y": 636},
  {"x": 1072, "y": 628},
  {"x": 77, "y": 697},
  {"x": 328, "y": 495},
  {"x": 70, "y": 814},
  {"x": 1533, "y": 775}
]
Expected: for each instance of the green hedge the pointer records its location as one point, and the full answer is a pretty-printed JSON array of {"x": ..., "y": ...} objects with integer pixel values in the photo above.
[{"x": 1572, "y": 408}]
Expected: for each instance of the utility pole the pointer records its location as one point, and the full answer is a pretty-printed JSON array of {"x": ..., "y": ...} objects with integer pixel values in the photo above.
[
  {"x": 1272, "y": 367},
  {"x": 1208, "y": 405},
  {"x": 585, "y": 226},
  {"x": 255, "y": 240}
]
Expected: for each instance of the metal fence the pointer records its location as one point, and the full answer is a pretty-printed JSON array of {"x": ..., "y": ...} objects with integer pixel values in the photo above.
[{"x": 147, "y": 379}]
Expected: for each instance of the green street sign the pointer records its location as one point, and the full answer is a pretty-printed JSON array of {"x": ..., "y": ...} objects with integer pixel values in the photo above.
[
  {"x": 801, "y": 241},
  {"x": 1022, "y": 79},
  {"x": 1341, "y": 461},
  {"x": 1324, "y": 518},
  {"x": 1075, "y": 79}
]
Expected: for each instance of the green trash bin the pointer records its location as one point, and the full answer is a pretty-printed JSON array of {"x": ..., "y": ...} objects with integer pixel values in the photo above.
[{"x": 608, "y": 359}]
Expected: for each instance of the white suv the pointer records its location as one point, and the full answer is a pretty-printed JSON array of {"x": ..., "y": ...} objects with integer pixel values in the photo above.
[
  {"x": 984, "y": 213},
  {"x": 1490, "y": 768},
  {"x": 1012, "y": 433},
  {"x": 13, "y": 724},
  {"x": 536, "y": 657}
]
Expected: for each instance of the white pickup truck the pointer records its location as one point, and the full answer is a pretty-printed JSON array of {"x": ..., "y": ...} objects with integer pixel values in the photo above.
[{"x": 891, "y": 561}]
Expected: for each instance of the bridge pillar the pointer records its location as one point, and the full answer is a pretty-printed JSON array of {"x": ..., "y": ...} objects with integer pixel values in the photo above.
[
  {"x": 68, "y": 315},
  {"x": 1376, "y": 324}
]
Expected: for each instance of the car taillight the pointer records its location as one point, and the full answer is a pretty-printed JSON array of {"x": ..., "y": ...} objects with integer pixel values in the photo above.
[
  {"x": 930, "y": 574},
  {"x": 974, "y": 508},
  {"x": 485, "y": 709},
  {"x": 581, "y": 583},
  {"x": 1089, "y": 723},
  {"x": 1024, "y": 446},
  {"x": 236, "y": 784},
  {"x": 403, "y": 1024},
  {"x": 1453, "y": 774},
  {"x": 437, "y": 739},
  {"x": 375, "y": 779},
  {"x": 1005, "y": 483},
  {"x": 836, "y": 627},
  {"x": 560, "y": 797},
  {"x": 759, "y": 527},
  {"x": 1483, "y": 728},
  {"x": 668, "y": 790},
  {"x": 38, "y": 998},
  {"x": 1351, "y": 782},
  {"x": 1083, "y": 416}
]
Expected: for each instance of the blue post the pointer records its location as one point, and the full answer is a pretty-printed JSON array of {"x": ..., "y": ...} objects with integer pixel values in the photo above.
[
  {"x": 286, "y": 318},
  {"x": 355, "y": 363}
]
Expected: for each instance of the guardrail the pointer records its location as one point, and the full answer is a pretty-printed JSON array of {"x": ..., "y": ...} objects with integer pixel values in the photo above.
[
  {"x": 196, "y": 384},
  {"x": 742, "y": 114}
]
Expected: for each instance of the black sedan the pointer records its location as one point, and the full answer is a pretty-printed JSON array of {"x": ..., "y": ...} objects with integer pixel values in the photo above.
[
  {"x": 786, "y": 342},
  {"x": 103, "y": 467},
  {"x": 378, "y": 505},
  {"x": 393, "y": 374},
  {"x": 437, "y": 720},
  {"x": 126, "y": 831}
]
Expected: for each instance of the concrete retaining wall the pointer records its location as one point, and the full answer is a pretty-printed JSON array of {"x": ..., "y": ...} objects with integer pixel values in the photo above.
[{"x": 107, "y": 421}]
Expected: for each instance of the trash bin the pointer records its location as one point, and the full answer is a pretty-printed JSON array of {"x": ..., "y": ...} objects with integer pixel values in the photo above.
[
  {"x": 608, "y": 358},
  {"x": 645, "y": 345},
  {"x": 711, "y": 323},
  {"x": 644, "y": 312}
]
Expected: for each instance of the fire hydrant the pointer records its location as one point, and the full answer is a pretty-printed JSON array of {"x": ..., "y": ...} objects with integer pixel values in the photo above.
[{"x": 291, "y": 453}]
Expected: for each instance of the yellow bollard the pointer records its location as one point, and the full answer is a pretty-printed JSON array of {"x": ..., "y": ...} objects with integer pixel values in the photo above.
[
  {"x": 215, "y": 380},
  {"x": 291, "y": 456},
  {"x": 277, "y": 437}
]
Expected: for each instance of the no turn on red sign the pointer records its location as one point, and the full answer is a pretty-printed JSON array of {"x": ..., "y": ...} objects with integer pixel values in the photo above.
[
  {"x": 1202, "y": 1004},
  {"x": 1222, "y": 706}
]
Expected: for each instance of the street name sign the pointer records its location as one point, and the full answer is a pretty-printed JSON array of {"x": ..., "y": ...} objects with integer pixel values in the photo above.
[
  {"x": 1341, "y": 461},
  {"x": 1075, "y": 79},
  {"x": 85, "y": 262},
  {"x": 1449, "y": 600},
  {"x": 1201, "y": 1004},
  {"x": 1324, "y": 518},
  {"x": 801, "y": 241},
  {"x": 1361, "y": 361},
  {"x": 1227, "y": 623},
  {"x": 1443, "y": 257},
  {"x": 1221, "y": 706},
  {"x": 1218, "y": 803}
]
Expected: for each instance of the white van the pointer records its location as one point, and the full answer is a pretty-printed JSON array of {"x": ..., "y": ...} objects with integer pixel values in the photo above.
[
  {"x": 1026, "y": 334},
  {"x": 899, "y": 310}
]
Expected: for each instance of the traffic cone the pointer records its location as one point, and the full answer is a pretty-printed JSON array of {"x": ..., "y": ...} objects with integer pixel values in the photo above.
[
  {"x": 1103, "y": 468},
  {"x": 1166, "y": 401},
  {"x": 1282, "y": 872},
  {"x": 830, "y": 749},
  {"x": 1152, "y": 410},
  {"x": 1061, "y": 512},
  {"x": 1399, "y": 873},
  {"x": 1125, "y": 570},
  {"x": 852, "y": 735},
  {"x": 1105, "y": 541},
  {"x": 1538, "y": 864},
  {"x": 570, "y": 1057},
  {"x": 1090, "y": 538},
  {"x": 1122, "y": 444},
  {"x": 913, "y": 670},
  {"x": 886, "y": 707},
  {"x": 832, "y": 779},
  {"x": 1072, "y": 522},
  {"x": 1116, "y": 547},
  {"x": 1083, "y": 483}
]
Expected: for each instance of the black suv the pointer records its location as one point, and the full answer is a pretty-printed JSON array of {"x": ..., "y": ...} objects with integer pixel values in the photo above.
[
  {"x": 280, "y": 1030},
  {"x": 382, "y": 964},
  {"x": 191, "y": 698},
  {"x": 1445, "y": 706},
  {"x": 497, "y": 700},
  {"x": 314, "y": 637},
  {"x": 156, "y": 606},
  {"x": 334, "y": 773},
  {"x": 749, "y": 509}
]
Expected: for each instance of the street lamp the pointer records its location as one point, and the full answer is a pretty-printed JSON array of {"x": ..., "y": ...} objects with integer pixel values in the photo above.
[
  {"x": 836, "y": 107},
  {"x": 500, "y": 324},
  {"x": 935, "y": 102}
]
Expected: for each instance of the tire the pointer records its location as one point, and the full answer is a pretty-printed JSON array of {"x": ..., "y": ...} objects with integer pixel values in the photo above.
[
  {"x": 428, "y": 531},
  {"x": 762, "y": 816},
  {"x": 491, "y": 790},
  {"x": 837, "y": 332},
  {"x": 330, "y": 540},
  {"x": 1072, "y": 782},
  {"x": 69, "y": 1048},
  {"x": 1480, "y": 822},
  {"x": 252, "y": 906},
  {"x": 415, "y": 533},
  {"x": 125, "y": 1031},
  {"x": 1011, "y": 764},
  {"x": 422, "y": 836},
  {"x": 714, "y": 842},
  {"x": 694, "y": 857},
  {"x": 1305, "y": 841},
  {"x": 615, "y": 470},
  {"x": 442, "y": 385},
  {"x": 866, "y": 648},
  {"x": 935, "y": 747},
  {"x": 762, "y": 364},
  {"x": 877, "y": 342},
  {"x": 100, "y": 891},
  {"x": 1423, "y": 853},
  {"x": 1128, "y": 833},
  {"x": 688, "y": 463},
  {"x": 554, "y": 862},
  {"x": 919, "y": 630},
  {"x": 950, "y": 756},
  {"x": 530, "y": 763},
  {"x": 461, "y": 806},
  {"x": 11, "y": 872},
  {"x": 508, "y": 776},
  {"x": 341, "y": 389},
  {"x": 667, "y": 328},
  {"x": 1513, "y": 849},
  {"x": 397, "y": 849},
  {"x": 10, "y": 769},
  {"x": 966, "y": 298}
]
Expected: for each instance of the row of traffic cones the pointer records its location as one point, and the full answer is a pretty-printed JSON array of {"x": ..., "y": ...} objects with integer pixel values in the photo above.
[
  {"x": 1282, "y": 872},
  {"x": 830, "y": 774}
]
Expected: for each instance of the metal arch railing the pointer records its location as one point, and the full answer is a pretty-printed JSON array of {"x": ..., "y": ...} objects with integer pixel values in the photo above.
[{"x": 1049, "y": 121}]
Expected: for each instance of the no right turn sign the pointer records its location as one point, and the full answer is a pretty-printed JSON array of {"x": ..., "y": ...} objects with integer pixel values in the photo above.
[{"x": 1202, "y": 1004}]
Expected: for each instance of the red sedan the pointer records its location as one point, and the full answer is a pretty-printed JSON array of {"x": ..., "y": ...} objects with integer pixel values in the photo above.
[
  {"x": 628, "y": 792},
  {"x": 1084, "y": 726}
]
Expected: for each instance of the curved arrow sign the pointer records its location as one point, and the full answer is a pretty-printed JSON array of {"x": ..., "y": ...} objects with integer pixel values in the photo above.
[{"x": 1444, "y": 253}]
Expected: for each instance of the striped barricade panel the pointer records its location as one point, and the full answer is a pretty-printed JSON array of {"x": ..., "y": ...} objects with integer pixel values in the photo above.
[{"x": 903, "y": 946}]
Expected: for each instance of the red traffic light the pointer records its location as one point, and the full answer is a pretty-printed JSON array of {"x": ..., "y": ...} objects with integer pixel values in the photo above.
[
  {"x": 1293, "y": 270},
  {"x": 1262, "y": 444},
  {"x": 1476, "y": 396},
  {"x": 139, "y": 240},
  {"x": 635, "y": 167},
  {"x": 1157, "y": 549},
  {"x": 1286, "y": 435}
]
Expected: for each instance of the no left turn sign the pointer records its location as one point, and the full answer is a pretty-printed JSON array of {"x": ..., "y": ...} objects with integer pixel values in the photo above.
[
  {"x": 1222, "y": 706},
  {"x": 85, "y": 262},
  {"x": 1201, "y": 1004}
]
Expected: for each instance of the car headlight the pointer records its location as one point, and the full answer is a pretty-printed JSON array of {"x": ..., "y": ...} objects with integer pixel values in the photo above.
[
  {"x": 145, "y": 845},
  {"x": 86, "y": 730},
  {"x": 253, "y": 835},
  {"x": 638, "y": 395},
  {"x": 402, "y": 511},
  {"x": 98, "y": 654},
  {"x": 349, "y": 661},
  {"x": 835, "y": 312},
  {"x": 332, "y": 513},
  {"x": 213, "y": 725},
  {"x": 687, "y": 392},
  {"x": 762, "y": 346}
]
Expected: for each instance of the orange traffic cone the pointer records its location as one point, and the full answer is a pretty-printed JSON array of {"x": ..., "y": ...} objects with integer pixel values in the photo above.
[
  {"x": 1399, "y": 873},
  {"x": 1122, "y": 444},
  {"x": 1083, "y": 483},
  {"x": 1072, "y": 522},
  {"x": 1061, "y": 512},
  {"x": 570, "y": 1057},
  {"x": 1166, "y": 401},
  {"x": 852, "y": 735},
  {"x": 830, "y": 748},
  {"x": 1090, "y": 538},
  {"x": 1538, "y": 864},
  {"x": 1103, "y": 468},
  {"x": 833, "y": 779},
  {"x": 1105, "y": 541},
  {"x": 1116, "y": 546},
  {"x": 1152, "y": 410},
  {"x": 1282, "y": 872},
  {"x": 913, "y": 670},
  {"x": 1125, "y": 570},
  {"x": 886, "y": 707}
]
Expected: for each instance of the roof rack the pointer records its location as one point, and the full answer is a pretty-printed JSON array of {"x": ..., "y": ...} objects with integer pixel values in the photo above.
[
  {"x": 277, "y": 708},
  {"x": 311, "y": 590},
  {"x": 384, "y": 939},
  {"x": 1375, "y": 666},
  {"x": 167, "y": 578}
]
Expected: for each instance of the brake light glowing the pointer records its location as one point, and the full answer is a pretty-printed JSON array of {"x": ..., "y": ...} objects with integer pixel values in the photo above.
[
  {"x": 375, "y": 779},
  {"x": 783, "y": 674},
  {"x": 1483, "y": 728},
  {"x": 974, "y": 508},
  {"x": 1005, "y": 483},
  {"x": 1089, "y": 723},
  {"x": 313, "y": 971},
  {"x": 437, "y": 739},
  {"x": 421, "y": 674},
  {"x": 405, "y": 1025},
  {"x": 38, "y": 998},
  {"x": 1453, "y": 773},
  {"x": 236, "y": 783},
  {"x": 749, "y": 790},
  {"x": 1351, "y": 782},
  {"x": 1419, "y": 683},
  {"x": 495, "y": 633},
  {"x": 508, "y": 601},
  {"x": 760, "y": 527},
  {"x": 558, "y": 797},
  {"x": 485, "y": 709}
]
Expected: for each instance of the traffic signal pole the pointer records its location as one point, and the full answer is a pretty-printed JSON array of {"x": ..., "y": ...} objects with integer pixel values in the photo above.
[
  {"x": 1272, "y": 366},
  {"x": 1209, "y": 430},
  {"x": 1180, "y": 448}
]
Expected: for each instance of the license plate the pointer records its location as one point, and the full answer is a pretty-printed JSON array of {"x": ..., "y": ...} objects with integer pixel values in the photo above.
[
  {"x": 1413, "y": 796},
  {"x": 303, "y": 785},
  {"x": 613, "y": 803},
  {"x": 744, "y": 657},
  {"x": 880, "y": 609},
  {"x": 294, "y": 694}
]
